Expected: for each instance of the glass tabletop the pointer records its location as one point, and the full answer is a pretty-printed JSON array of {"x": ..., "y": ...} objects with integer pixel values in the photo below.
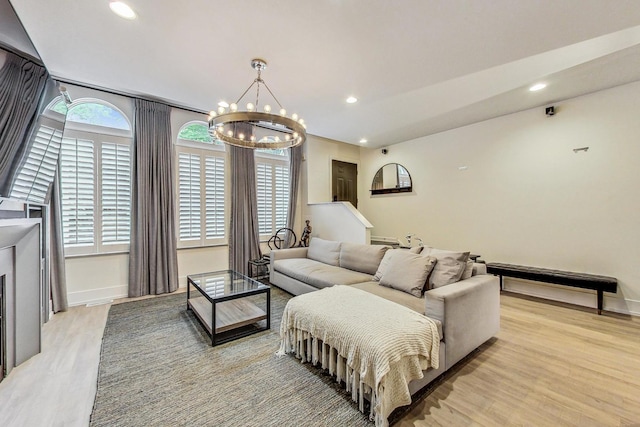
[{"x": 225, "y": 283}]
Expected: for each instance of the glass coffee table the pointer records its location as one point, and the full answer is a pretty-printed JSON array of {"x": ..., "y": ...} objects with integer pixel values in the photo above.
[{"x": 225, "y": 304}]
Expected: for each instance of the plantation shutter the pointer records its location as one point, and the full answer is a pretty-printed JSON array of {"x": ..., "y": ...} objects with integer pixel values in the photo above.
[
  {"x": 281, "y": 188},
  {"x": 37, "y": 173},
  {"x": 116, "y": 193},
  {"x": 77, "y": 187},
  {"x": 214, "y": 197},
  {"x": 189, "y": 189},
  {"x": 265, "y": 197}
]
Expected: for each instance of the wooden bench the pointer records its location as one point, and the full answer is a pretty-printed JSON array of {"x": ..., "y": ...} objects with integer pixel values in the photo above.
[{"x": 567, "y": 278}]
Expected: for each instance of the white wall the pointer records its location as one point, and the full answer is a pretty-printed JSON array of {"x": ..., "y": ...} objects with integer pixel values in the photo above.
[{"x": 526, "y": 197}]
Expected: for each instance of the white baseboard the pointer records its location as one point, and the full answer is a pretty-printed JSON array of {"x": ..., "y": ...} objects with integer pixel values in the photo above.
[
  {"x": 97, "y": 296},
  {"x": 104, "y": 295},
  {"x": 577, "y": 296}
]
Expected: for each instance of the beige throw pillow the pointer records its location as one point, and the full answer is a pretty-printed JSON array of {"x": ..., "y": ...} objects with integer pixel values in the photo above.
[
  {"x": 449, "y": 267},
  {"x": 407, "y": 272},
  {"x": 363, "y": 258}
]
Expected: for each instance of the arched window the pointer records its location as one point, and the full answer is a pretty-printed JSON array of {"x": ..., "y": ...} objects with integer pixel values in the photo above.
[
  {"x": 97, "y": 114},
  {"x": 95, "y": 178},
  {"x": 201, "y": 186}
]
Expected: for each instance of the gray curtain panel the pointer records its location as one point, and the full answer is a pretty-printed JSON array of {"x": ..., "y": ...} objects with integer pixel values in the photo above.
[
  {"x": 21, "y": 86},
  {"x": 295, "y": 165},
  {"x": 153, "y": 262},
  {"x": 244, "y": 237},
  {"x": 58, "y": 272}
]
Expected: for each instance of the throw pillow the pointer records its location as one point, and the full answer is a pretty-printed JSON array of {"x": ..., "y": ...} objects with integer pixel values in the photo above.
[
  {"x": 325, "y": 251},
  {"x": 363, "y": 258},
  {"x": 407, "y": 272},
  {"x": 468, "y": 270},
  {"x": 449, "y": 267},
  {"x": 383, "y": 264}
]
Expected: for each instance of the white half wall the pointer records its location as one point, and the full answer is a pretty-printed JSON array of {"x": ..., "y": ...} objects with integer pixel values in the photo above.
[
  {"x": 339, "y": 221},
  {"x": 513, "y": 190}
]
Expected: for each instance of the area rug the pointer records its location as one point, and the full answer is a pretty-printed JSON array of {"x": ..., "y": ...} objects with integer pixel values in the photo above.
[{"x": 157, "y": 367}]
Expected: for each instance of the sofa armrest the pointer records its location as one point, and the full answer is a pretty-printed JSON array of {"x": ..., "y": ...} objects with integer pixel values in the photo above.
[
  {"x": 288, "y": 253},
  {"x": 469, "y": 311}
]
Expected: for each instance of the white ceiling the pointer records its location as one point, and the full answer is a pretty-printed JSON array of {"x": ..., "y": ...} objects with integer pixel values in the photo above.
[{"x": 417, "y": 66}]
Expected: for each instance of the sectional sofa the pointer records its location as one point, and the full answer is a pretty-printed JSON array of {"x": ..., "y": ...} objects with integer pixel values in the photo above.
[{"x": 457, "y": 294}]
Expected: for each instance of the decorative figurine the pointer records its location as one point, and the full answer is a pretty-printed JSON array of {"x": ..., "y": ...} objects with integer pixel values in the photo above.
[{"x": 306, "y": 234}]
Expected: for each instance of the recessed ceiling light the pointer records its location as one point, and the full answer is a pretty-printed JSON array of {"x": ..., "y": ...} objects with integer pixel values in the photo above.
[
  {"x": 352, "y": 100},
  {"x": 537, "y": 86},
  {"x": 363, "y": 141},
  {"x": 223, "y": 104},
  {"x": 122, "y": 9}
]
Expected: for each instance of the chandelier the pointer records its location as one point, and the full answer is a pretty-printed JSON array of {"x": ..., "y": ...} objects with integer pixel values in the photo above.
[{"x": 253, "y": 128}]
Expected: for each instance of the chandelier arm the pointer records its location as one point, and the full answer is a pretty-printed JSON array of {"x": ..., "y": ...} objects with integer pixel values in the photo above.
[
  {"x": 245, "y": 92},
  {"x": 258, "y": 90},
  {"x": 274, "y": 97}
]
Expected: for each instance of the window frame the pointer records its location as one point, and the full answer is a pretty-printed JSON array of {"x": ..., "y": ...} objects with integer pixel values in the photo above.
[
  {"x": 98, "y": 247},
  {"x": 275, "y": 160},
  {"x": 204, "y": 150},
  {"x": 98, "y": 135}
]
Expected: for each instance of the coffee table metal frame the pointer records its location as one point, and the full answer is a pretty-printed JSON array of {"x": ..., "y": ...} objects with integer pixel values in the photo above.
[{"x": 207, "y": 317}]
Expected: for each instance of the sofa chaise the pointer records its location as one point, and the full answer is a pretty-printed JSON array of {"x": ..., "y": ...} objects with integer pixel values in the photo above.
[{"x": 459, "y": 295}]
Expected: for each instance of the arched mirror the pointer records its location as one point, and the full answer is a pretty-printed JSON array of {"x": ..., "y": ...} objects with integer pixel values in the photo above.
[{"x": 391, "y": 178}]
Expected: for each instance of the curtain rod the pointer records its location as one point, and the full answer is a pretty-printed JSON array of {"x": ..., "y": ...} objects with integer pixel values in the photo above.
[
  {"x": 128, "y": 95},
  {"x": 21, "y": 54}
]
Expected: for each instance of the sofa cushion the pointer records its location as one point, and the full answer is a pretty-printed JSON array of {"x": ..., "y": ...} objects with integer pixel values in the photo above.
[
  {"x": 326, "y": 251},
  {"x": 449, "y": 267},
  {"x": 399, "y": 297},
  {"x": 318, "y": 274},
  {"x": 407, "y": 272},
  {"x": 363, "y": 258}
]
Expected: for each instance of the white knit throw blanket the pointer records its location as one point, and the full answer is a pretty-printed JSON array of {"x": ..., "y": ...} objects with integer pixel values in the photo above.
[{"x": 374, "y": 345}]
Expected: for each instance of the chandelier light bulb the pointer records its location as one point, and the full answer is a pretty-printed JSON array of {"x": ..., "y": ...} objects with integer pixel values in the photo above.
[
  {"x": 301, "y": 121},
  {"x": 252, "y": 138},
  {"x": 250, "y": 106},
  {"x": 295, "y": 134},
  {"x": 212, "y": 114},
  {"x": 230, "y": 132},
  {"x": 267, "y": 108},
  {"x": 283, "y": 112},
  {"x": 241, "y": 136},
  {"x": 277, "y": 139},
  {"x": 294, "y": 116},
  {"x": 287, "y": 137},
  {"x": 233, "y": 107},
  {"x": 221, "y": 110}
]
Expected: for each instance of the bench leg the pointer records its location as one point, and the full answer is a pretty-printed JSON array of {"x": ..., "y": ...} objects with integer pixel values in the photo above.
[{"x": 600, "y": 298}]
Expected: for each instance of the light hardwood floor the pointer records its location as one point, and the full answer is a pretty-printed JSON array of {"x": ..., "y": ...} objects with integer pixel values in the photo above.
[{"x": 551, "y": 365}]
